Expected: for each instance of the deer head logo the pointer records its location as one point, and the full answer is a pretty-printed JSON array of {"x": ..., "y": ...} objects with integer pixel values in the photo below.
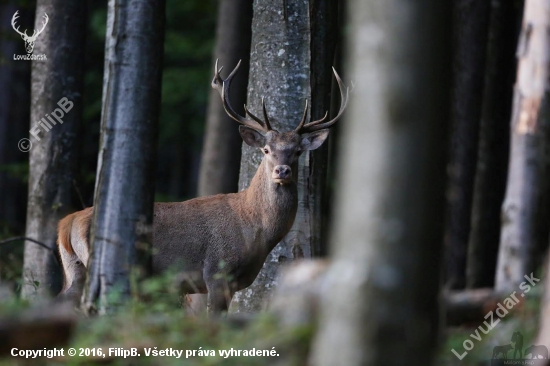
[{"x": 29, "y": 41}]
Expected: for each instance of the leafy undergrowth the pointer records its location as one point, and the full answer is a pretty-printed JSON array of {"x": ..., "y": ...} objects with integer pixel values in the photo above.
[
  {"x": 155, "y": 321},
  {"x": 160, "y": 324}
]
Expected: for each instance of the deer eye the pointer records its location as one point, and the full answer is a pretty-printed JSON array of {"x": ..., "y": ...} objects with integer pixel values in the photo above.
[{"x": 266, "y": 151}]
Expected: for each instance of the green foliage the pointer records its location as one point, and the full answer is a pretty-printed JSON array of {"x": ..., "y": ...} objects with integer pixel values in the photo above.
[
  {"x": 19, "y": 171},
  {"x": 11, "y": 260},
  {"x": 154, "y": 318}
]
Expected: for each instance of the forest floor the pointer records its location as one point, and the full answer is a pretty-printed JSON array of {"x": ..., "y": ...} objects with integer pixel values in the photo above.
[{"x": 155, "y": 321}]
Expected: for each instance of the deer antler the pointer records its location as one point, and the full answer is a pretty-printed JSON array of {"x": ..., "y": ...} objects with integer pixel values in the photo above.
[
  {"x": 222, "y": 86},
  {"x": 44, "y": 22},
  {"x": 321, "y": 124},
  {"x": 13, "y": 19}
]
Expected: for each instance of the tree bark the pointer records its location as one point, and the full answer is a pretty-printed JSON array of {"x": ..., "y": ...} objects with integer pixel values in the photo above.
[
  {"x": 53, "y": 158},
  {"x": 388, "y": 230},
  {"x": 471, "y": 19},
  {"x": 524, "y": 233},
  {"x": 282, "y": 70},
  {"x": 494, "y": 134},
  {"x": 221, "y": 154},
  {"x": 123, "y": 202}
]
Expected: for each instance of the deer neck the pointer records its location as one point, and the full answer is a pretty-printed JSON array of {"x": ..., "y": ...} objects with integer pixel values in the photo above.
[{"x": 272, "y": 204}]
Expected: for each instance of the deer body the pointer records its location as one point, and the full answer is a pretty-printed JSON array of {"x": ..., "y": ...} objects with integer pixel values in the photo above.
[{"x": 228, "y": 234}]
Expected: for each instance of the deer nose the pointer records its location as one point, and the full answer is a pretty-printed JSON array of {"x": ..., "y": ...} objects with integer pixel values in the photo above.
[{"x": 282, "y": 172}]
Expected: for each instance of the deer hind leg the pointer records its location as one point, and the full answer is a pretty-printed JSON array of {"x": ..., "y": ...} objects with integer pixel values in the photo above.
[{"x": 75, "y": 275}]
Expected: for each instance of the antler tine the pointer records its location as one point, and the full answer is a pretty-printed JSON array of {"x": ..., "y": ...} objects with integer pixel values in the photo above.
[
  {"x": 266, "y": 118},
  {"x": 222, "y": 86},
  {"x": 44, "y": 22},
  {"x": 319, "y": 125},
  {"x": 264, "y": 123},
  {"x": 13, "y": 19},
  {"x": 304, "y": 117}
]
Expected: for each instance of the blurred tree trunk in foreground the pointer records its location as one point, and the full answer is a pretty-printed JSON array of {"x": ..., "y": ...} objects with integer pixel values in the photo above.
[
  {"x": 123, "y": 202},
  {"x": 385, "y": 276},
  {"x": 494, "y": 134},
  {"x": 471, "y": 19},
  {"x": 56, "y": 90},
  {"x": 221, "y": 154},
  {"x": 14, "y": 121},
  {"x": 543, "y": 336},
  {"x": 292, "y": 54},
  {"x": 524, "y": 234}
]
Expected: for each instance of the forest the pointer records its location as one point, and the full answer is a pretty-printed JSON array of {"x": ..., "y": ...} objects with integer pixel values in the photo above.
[{"x": 235, "y": 182}]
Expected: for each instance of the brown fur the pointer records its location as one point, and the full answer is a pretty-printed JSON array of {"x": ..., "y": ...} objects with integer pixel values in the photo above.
[
  {"x": 64, "y": 232},
  {"x": 195, "y": 236}
]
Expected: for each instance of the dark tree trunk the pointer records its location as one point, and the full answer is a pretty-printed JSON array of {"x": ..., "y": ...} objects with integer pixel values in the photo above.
[
  {"x": 56, "y": 90},
  {"x": 525, "y": 212},
  {"x": 221, "y": 154},
  {"x": 494, "y": 135},
  {"x": 123, "y": 202},
  {"x": 471, "y": 20},
  {"x": 324, "y": 36},
  {"x": 293, "y": 50},
  {"x": 14, "y": 117},
  {"x": 384, "y": 278}
]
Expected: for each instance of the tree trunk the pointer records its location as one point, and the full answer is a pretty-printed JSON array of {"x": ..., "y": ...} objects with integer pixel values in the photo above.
[
  {"x": 524, "y": 234},
  {"x": 56, "y": 90},
  {"x": 221, "y": 154},
  {"x": 471, "y": 19},
  {"x": 388, "y": 230},
  {"x": 494, "y": 134},
  {"x": 123, "y": 202},
  {"x": 286, "y": 41},
  {"x": 543, "y": 336}
]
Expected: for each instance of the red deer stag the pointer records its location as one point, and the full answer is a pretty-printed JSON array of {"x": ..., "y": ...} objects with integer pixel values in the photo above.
[{"x": 238, "y": 229}]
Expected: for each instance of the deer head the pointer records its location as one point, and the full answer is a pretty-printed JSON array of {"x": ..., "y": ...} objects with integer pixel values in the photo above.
[
  {"x": 281, "y": 149},
  {"x": 29, "y": 41}
]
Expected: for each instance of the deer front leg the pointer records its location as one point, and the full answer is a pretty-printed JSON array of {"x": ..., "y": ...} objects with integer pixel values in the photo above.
[
  {"x": 220, "y": 290},
  {"x": 218, "y": 299}
]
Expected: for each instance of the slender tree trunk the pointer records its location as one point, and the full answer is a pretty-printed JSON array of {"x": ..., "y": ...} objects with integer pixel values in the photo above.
[
  {"x": 494, "y": 134},
  {"x": 384, "y": 279},
  {"x": 525, "y": 216},
  {"x": 56, "y": 90},
  {"x": 123, "y": 202},
  {"x": 221, "y": 155},
  {"x": 471, "y": 19},
  {"x": 14, "y": 116},
  {"x": 282, "y": 70}
]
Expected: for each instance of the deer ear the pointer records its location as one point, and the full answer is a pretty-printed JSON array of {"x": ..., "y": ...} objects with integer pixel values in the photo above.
[
  {"x": 252, "y": 137},
  {"x": 313, "y": 140}
]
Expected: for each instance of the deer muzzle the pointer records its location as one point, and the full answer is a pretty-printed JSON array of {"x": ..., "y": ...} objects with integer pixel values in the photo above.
[{"x": 282, "y": 174}]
